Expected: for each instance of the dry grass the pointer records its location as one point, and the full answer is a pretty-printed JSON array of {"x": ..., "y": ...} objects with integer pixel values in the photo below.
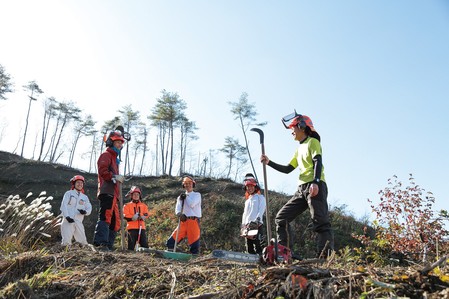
[
  {"x": 24, "y": 227},
  {"x": 81, "y": 272},
  {"x": 34, "y": 265}
]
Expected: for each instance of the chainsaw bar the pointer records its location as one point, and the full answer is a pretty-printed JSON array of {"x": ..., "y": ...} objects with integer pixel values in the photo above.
[{"x": 235, "y": 256}]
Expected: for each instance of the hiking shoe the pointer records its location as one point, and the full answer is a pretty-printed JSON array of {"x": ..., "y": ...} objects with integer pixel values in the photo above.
[
  {"x": 103, "y": 248},
  {"x": 297, "y": 257}
]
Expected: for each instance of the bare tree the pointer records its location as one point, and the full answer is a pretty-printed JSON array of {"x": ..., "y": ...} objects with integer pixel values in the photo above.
[
  {"x": 140, "y": 143},
  {"x": 130, "y": 120},
  {"x": 5, "y": 83},
  {"x": 233, "y": 151},
  {"x": 188, "y": 129},
  {"x": 32, "y": 87},
  {"x": 246, "y": 114},
  {"x": 165, "y": 117},
  {"x": 93, "y": 150},
  {"x": 144, "y": 141},
  {"x": 82, "y": 128},
  {"x": 67, "y": 113},
  {"x": 49, "y": 113}
]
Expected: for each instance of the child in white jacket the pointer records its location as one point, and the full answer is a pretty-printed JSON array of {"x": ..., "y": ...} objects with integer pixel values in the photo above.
[{"x": 74, "y": 206}]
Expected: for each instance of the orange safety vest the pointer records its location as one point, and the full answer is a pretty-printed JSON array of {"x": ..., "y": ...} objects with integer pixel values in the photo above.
[{"x": 130, "y": 209}]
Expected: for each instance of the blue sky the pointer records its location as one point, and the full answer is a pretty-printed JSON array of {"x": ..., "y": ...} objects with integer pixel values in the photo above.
[{"x": 373, "y": 76}]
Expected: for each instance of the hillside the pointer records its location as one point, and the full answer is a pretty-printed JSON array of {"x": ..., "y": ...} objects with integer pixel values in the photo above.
[
  {"x": 222, "y": 203},
  {"x": 21, "y": 176},
  {"x": 50, "y": 270}
]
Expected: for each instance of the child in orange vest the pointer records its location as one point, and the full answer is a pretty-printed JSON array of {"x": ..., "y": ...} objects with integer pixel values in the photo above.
[{"x": 135, "y": 213}]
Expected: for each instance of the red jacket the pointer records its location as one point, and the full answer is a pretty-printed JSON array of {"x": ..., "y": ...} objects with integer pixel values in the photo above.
[{"x": 107, "y": 168}]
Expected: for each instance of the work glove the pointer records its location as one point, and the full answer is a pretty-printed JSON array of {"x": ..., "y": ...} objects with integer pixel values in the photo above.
[
  {"x": 69, "y": 219},
  {"x": 143, "y": 217},
  {"x": 135, "y": 217},
  {"x": 182, "y": 217},
  {"x": 182, "y": 196},
  {"x": 82, "y": 212},
  {"x": 243, "y": 230},
  {"x": 253, "y": 225},
  {"x": 118, "y": 178}
]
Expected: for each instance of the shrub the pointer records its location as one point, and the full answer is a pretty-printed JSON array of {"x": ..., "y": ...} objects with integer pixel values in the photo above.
[{"x": 405, "y": 222}]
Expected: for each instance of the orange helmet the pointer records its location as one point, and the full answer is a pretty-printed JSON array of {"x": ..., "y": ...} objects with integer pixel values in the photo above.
[
  {"x": 116, "y": 135},
  {"x": 188, "y": 179}
]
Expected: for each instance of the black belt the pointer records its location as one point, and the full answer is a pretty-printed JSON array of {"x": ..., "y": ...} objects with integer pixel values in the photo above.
[{"x": 192, "y": 217}]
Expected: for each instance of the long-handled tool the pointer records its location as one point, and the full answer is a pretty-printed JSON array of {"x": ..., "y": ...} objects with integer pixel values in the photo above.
[
  {"x": 179, "y": 225},
  {"x": 122, "y": 218},
  {"x": 138, "y": 238},
  {"x": 265, "y": 191}
]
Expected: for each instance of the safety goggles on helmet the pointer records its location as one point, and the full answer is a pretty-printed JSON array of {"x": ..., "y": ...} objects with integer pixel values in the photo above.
[
  {"x": 288, "y": 119},
  {"x": 294, "y": 119},
  {"x": 116, "y": 135}
]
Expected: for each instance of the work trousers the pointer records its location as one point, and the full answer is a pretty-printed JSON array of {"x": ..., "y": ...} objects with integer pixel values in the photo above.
[
  {"x": 108, "y": 221},
  {"x": 319, "y": 213},
  {"x": 133, "y": 237}
]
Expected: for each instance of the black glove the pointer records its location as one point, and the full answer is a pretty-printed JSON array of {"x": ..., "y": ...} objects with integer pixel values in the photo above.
[
  {"x": 69, "y": 219},
  {"x": 183, "y": 217},
  {"x": 253, "y": 225},
  {"x": 182, "y": 196},
  {"x": 82, "y": 212}
]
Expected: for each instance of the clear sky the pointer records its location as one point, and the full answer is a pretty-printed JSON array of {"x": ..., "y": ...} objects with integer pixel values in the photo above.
[{"x": 372, "y": 75}]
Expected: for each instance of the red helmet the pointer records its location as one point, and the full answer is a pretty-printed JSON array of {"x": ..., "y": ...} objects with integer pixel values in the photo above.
[
  {"x": 134, "y": 189},
  {"x": 294, "y": 119},
  {"x": 250, "y": 182},
  {"x": 302, "y": 121},
  {"x": 76, "y": 178}
]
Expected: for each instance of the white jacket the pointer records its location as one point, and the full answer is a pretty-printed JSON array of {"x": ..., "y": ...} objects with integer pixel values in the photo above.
[
  {"x": 254, "y": 208},
  {"x": 73, "y": 201},
  {"x": 192, "y": 205}
]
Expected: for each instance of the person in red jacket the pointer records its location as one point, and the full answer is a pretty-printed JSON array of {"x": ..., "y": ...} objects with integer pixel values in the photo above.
[
  {"x": 135, "y": 213},
  {"x": 108, "y": 194}
]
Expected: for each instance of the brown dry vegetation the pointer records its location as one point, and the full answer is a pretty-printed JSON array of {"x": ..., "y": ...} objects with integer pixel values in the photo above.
[
  {"x": 77, "y": 272},
  {"x": 50, "y": 270}
]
